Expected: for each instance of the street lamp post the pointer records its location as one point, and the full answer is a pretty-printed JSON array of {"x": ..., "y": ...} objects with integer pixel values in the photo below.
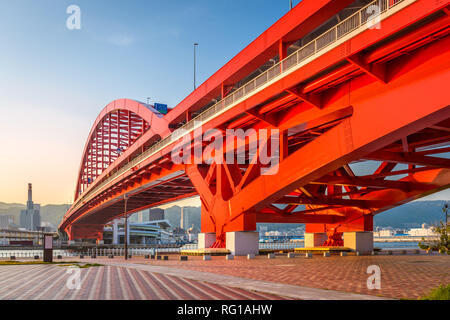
[
  {"x": 445, "y": 209},
  {"x": 195, "y": 67},
  {"x": 125, "y": 197}
]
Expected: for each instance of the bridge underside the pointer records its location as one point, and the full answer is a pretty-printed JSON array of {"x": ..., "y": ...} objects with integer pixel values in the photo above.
[
  {"x": 402, "y": 127},
  {"x": 362, "y": 129}
]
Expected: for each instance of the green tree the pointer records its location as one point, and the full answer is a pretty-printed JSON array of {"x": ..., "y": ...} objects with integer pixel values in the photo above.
[
  {"x": 440, "y": 293},
  {"x": 443, "y": 230}
]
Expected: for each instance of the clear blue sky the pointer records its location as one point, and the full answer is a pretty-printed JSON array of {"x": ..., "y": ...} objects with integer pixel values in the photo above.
[
  {"x": 129, "y": 49},
  {"x": 54, "y": 81}
]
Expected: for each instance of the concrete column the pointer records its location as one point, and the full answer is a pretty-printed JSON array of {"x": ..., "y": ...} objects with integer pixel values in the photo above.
[
  {"x": 242, "y": 243},
  {"x": 115, "y": 233},
  {"x": 206, "y": 240},
  {"x": 360, "y": 241},
  {"x": 315, "y": 239}
]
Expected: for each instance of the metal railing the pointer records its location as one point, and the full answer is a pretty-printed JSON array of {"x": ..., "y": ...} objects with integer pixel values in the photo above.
[
  {"x": 137, "y": 252},
  {"x": 362, "y": 19},
  {"x": 100, "y": 252},
  {"x": 7, "y": 254},
  {"x": 280, "y": 245},
  {"x": 289, "y": 245},
  {"x": 189, "y": 246}
]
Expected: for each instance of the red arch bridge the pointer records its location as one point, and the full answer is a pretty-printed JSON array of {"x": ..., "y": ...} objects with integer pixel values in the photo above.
[{"x": 332, "y": 87}]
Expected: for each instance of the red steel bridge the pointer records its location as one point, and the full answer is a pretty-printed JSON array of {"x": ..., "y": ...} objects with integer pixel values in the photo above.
[{"x": 348, "y": 84}]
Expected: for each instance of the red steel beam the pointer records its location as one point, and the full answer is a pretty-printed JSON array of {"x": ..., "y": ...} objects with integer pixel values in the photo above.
[{"x": 373, "y": 125}]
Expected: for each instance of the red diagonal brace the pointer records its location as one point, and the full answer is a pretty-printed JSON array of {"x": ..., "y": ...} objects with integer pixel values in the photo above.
[
  {"x": 377, "y": 71},
  {"x": 311, "y": 99}
]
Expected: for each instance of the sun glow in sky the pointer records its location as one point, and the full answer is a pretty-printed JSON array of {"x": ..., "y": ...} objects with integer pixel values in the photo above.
[{"x": 55, "y": 81}]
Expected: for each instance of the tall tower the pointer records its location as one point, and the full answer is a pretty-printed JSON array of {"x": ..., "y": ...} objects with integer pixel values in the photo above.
[
  {"x": 30, "y": 197},
  {"x": 182, "y": 218},
  {"x": 30, "y": 218}
]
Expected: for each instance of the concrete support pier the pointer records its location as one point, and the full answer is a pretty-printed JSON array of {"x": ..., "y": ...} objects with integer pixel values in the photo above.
[
  {"x": 242, "y": 243},
  {"x": 206, "y": 240},
  {"x": 316, "y": 239},
  {"x": 359, "y": 241}
]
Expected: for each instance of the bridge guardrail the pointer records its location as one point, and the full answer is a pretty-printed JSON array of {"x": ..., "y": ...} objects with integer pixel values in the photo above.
[{"x": 357, "y": 20}]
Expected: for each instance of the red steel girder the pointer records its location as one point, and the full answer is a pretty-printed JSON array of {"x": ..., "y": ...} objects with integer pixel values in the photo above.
[
  {"x": 409, "y": 158},
  {"x": 373, "y": 125}
]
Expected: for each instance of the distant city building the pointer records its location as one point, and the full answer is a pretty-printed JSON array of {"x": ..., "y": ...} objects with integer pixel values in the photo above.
[
  {"x": 384, "y": 232},
  {"x": 192, "y": 234},
  {"x": 180, "y": 234},
  {"x": 183, "y": 219},
  {"x": 147, "y": 215},
  {"x": 140, "y": 217},
  {"x": 186, "y": 217},
  {"x": 262, "y": 230},
  {"x": 156, "y": 214},
  {"x": 6, "y": 221},
  {"x": 47, "y": 227},
  {"x": 20, "y": 237},
  {"x": 388, "y": 232},
  {"x": 30, "y": 218},
  {"x": 422, "y": 232},
  {"x": 150, "y": 232},
  {"x": 274, "y": 233}
]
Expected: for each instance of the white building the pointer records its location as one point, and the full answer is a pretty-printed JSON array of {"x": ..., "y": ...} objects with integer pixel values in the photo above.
[
  {"x": 158, "y": 231},
  {"x": 273, "y": 234},
  {"x": 384, "y": 233},
  {"x": 422, "y": 232}
]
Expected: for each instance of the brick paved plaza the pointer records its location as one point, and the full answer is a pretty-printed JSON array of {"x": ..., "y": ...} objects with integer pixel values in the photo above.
[
  {"x": 335, "y": 277},
  {"x": 48, "y": 282},
  {"x": 402, "y": 276}
]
